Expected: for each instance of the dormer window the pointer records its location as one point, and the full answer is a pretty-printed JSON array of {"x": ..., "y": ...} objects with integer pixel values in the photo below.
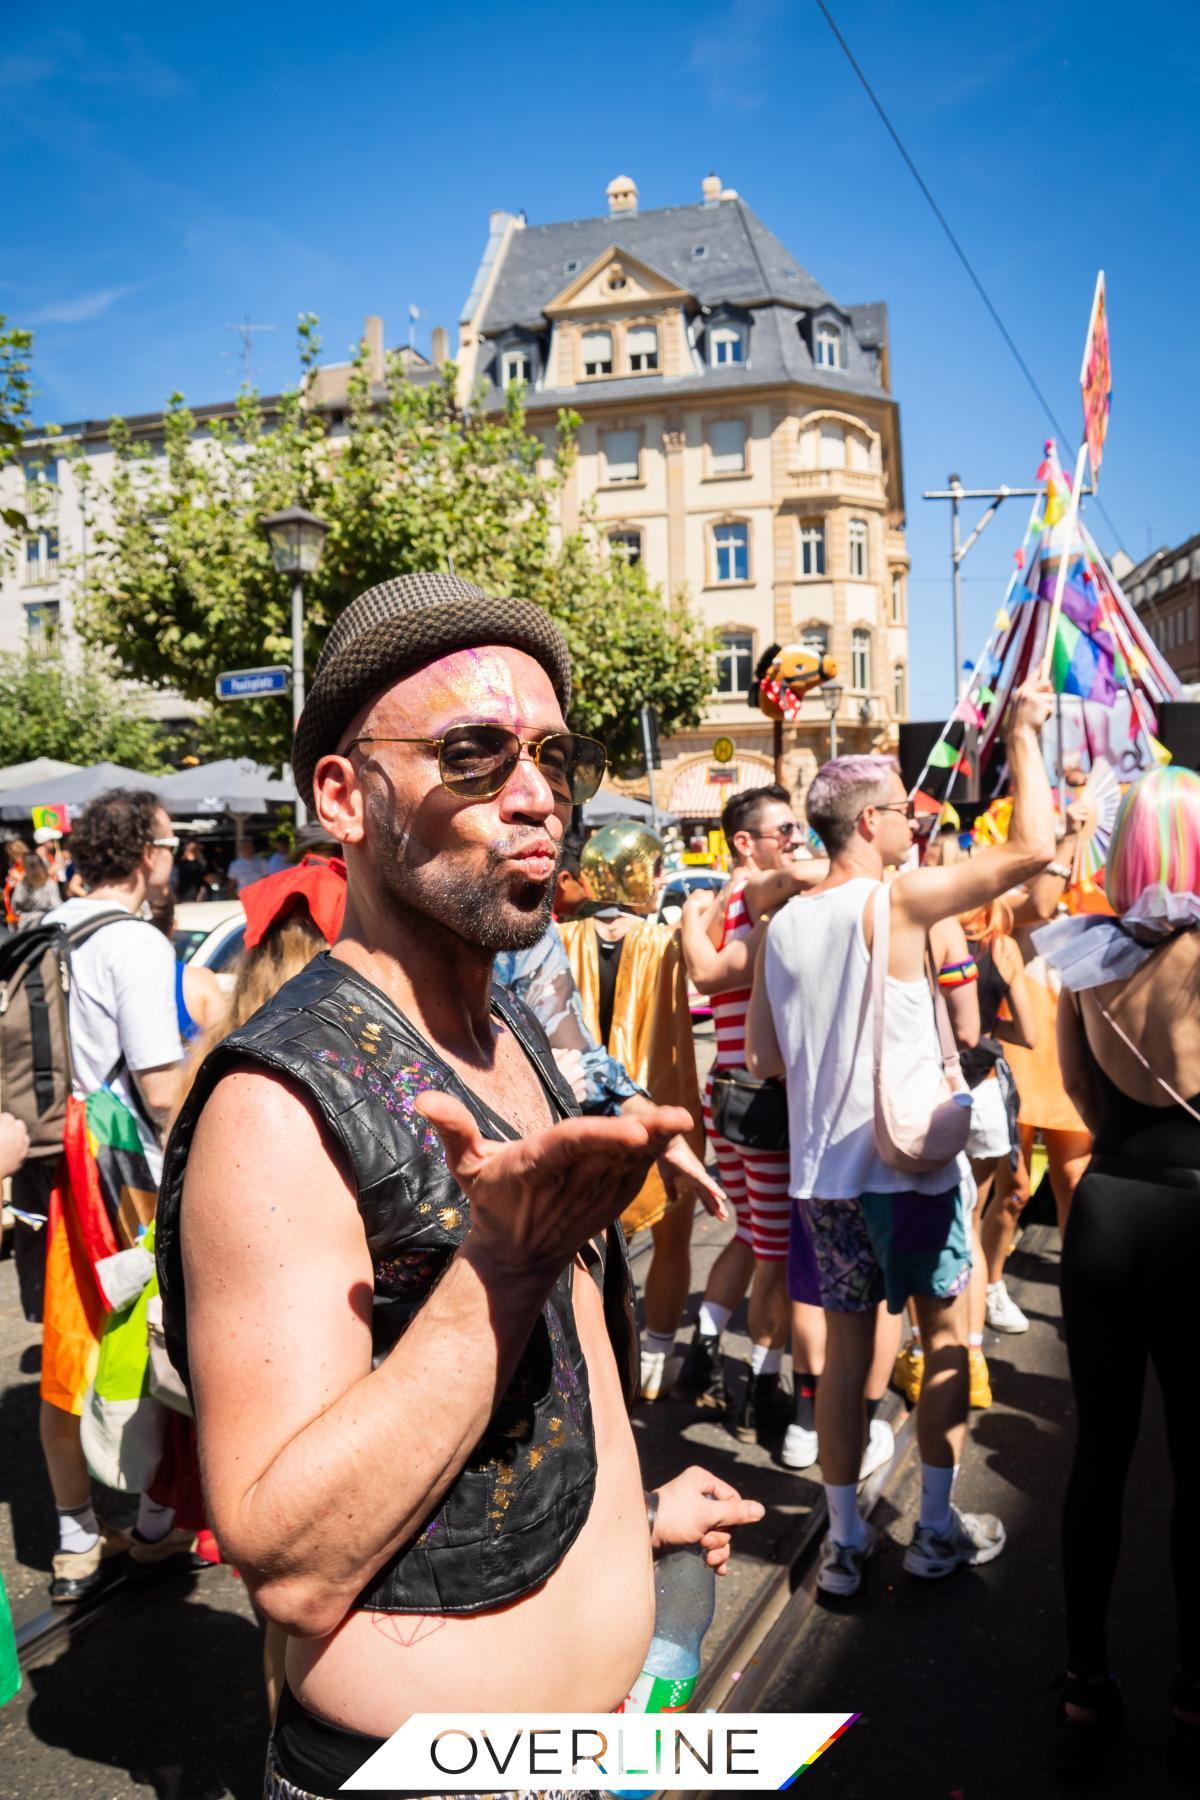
[
  {"x": 571, "y": 266},
  {"x": 641, "y": 342},
  {"x": 597, "y": 353},
  {"x": 699, "y": 252},
  {"x": 827, "y": 345},
  {"x": 727, "y": 345},
  {"x": 516, "y": 366}
]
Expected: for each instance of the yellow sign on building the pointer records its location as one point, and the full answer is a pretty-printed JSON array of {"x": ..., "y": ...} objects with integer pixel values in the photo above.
[{"x": 723, "y": 750}]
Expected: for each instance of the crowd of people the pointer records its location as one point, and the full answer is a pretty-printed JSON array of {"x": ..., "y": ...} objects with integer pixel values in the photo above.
[{"x": 382, "y": 1191}]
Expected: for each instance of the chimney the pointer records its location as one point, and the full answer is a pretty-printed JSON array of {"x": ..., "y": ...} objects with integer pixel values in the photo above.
[
  {"x": 710, "y": 187},
  {"x": 622, "y": 195},
  {"x": 373, "y": 338},
  {"x": 439, "y": 346}
]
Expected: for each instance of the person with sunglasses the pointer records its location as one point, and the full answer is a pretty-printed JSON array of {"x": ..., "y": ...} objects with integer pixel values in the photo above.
[
  {"x": 386, "y": 1241},
  {"x": 880, "y": 1234}
]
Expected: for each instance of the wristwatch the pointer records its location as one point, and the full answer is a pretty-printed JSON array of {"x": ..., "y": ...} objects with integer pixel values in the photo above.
[
  {"x": 1059, "y": 869},
  {"x": 651, "y": 1498}
]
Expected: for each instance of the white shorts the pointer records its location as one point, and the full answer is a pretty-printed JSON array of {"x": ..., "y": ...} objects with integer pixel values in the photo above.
[{"x": 989, "y": 1122}]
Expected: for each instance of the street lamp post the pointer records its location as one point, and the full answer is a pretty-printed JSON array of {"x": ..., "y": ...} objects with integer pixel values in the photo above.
[
  {"x": 831, "y": 693},
  {"x": 296, "y": 538}
]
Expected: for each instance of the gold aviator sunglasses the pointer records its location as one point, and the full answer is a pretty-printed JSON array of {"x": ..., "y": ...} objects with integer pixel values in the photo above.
[{"x": 476, "y": 761}]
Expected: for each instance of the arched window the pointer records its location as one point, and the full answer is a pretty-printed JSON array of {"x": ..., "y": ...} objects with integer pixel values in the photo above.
[
  {"x": 597, "y": 353},
  {"x": 827, "y": 344},
  {"x": 731, "y": 552},
  {"x": 897, "y": 598},
  {"x": 815, "y": 639},
  {"x": 833, "y": 446},
  {"x": 641, "y": 342},
  {"x": 726, "y": 345},
  {"x": 860, "y": 659},
  {"x": 899, "y": 691},
  {"x": 626, "y": 544},
  {"x": 812, "y": 547},
  {"x": 857, "y": 540}
]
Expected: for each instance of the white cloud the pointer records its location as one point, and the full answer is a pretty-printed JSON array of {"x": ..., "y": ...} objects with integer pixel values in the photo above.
[{"x": 82, "y": 308}]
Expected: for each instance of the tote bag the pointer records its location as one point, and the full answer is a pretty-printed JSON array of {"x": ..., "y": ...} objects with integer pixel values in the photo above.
[{"x": 922, "y": 1109}]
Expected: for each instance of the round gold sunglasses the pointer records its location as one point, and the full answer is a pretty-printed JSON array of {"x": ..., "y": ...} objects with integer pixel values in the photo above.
[{"x": 477, "y": 760}]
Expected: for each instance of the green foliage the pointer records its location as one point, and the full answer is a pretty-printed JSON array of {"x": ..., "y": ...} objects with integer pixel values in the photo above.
[
  {"x": 182, "y": 585},
  {"x": 16, "y": 352},
  {"x": 78, "y": 715}
]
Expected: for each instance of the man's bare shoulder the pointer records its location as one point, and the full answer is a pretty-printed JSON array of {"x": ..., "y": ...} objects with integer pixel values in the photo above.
[{"x": 260, "y": 1145}]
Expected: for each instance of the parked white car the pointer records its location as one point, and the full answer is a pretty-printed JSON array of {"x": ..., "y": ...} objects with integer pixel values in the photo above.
[{"x": 210, "y": 934}]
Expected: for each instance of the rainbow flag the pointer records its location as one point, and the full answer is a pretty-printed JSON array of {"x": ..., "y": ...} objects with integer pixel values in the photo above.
[{"x": 1081, "y": 664}]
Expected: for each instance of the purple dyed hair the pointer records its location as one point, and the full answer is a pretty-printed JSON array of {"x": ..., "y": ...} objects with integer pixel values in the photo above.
[{"x": 839, "y": 791}]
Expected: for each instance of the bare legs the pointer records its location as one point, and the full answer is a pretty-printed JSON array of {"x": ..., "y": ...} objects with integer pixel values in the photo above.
[
  {"x": 668, "y": 1279},
  {"x": 65, "y": 1466}
]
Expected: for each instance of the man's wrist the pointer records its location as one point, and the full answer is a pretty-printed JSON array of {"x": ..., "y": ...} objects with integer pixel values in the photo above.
[{"x": 651, "y": 1498}]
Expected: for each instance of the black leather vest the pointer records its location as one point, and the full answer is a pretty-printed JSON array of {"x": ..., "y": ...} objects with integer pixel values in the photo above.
[{"x": 526, "y": 1489}]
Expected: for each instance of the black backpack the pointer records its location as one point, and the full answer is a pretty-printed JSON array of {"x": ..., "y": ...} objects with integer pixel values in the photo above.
[{"x": 35, "y": 1035}]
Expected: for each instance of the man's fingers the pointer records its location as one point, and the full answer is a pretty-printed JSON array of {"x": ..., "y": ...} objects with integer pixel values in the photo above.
[
  {"x": 739, "y": 1512},
  {"x": 461, "y": 1137},
  {"x": 712, "y": 1197}
]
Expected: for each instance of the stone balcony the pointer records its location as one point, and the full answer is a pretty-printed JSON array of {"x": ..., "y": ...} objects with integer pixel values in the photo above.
[{"x": 863, "y": 487}]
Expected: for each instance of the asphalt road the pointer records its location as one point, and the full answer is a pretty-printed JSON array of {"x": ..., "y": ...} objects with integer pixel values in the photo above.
[{"x": 954, "y": 1679}]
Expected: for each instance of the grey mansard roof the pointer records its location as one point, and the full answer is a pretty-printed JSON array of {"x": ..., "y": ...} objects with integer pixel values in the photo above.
[{"x": 743, "y": 266}]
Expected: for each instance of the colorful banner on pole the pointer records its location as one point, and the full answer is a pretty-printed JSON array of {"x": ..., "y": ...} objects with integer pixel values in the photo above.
[{"x": 1095, "y": 378}]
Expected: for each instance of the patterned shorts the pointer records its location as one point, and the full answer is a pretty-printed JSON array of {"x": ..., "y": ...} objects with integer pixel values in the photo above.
[
  {"x": 889, "y": 1247},
  {"x": 278, "y": 1787}
]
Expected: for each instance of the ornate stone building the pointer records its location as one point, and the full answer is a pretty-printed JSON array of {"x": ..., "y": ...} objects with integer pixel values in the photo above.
[{"x": 739, "y": 438}]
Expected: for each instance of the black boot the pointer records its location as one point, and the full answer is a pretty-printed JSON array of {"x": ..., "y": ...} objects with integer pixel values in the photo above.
[
  {"x": 1183, "y": 1745},
  {"x": 1081, "y": 1749},
  {"x": 702, "y": 1377},
  {"x": 758, "y": 1409}
]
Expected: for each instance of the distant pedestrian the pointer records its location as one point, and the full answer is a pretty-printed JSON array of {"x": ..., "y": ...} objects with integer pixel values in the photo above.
[
  {"x": 281, "y": 854},
  {"x": 190, "y": 873},
  {"x": 35, "y": 894},
  {"x": 246, "y": 865}
]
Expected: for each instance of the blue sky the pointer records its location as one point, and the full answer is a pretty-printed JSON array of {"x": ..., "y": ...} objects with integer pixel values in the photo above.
[{"x": 170, "y": 172}]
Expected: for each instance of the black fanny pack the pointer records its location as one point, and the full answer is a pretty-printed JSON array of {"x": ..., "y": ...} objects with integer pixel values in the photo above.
[{"x": 748, "y": 1112}]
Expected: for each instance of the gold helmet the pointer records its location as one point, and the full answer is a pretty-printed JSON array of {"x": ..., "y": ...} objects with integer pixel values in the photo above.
[{"x": 619, "y": 864}]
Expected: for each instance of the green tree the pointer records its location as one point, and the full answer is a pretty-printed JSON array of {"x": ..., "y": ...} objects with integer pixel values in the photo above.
[
  {"x": 182, "y": 586},
  {"x": 16, "y": 354},
  {"x": 80, "y": 715}
]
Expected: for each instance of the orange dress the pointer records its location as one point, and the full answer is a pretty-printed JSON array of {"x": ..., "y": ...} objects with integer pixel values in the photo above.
[{"x": 1044, "y": 1100}]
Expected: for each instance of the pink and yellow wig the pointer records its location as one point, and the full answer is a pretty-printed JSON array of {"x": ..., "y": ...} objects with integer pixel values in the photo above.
[{"x": 1156, "y": 839}]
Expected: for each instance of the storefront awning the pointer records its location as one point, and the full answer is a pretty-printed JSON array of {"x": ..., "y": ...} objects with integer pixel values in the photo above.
[{"x": 700, "y": 790}]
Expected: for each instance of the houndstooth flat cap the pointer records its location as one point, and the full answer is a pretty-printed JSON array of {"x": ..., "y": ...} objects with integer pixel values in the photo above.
[{"x": 396, "y": 627}]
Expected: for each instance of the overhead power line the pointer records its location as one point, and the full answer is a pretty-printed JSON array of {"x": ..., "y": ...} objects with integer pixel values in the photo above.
[{"x": 961, "y": 254}]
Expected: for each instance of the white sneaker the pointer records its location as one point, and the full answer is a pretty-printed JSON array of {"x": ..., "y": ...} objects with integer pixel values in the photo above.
[
  {"x": 881, "y": 1447},
  {"x": 841, "y": 1566},
  {"x": 799, "y": 1448},
  {"x": 1003, "y": 1313},
  {"x": 658, "y": 1373},
  {"x": 972, "y": 1539}
]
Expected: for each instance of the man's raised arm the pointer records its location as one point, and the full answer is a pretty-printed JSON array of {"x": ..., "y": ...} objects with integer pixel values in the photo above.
[{"x": 318, "y": 1468}]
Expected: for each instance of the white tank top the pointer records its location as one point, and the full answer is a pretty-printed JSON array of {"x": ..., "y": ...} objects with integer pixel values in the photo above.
[{"x": 818, "y": 975}]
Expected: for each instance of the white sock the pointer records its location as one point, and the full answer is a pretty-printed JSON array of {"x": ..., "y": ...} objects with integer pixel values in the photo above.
[
  {"x": 846, "y": 1523},
  {"x": 975, "y": 1340},
  {"x": 658, "y": 1343},
  {"x": 713, "y": 1318},
  {"x": 77, "y": 1528},
  {"x": 153, "y": 1521},
  {"x": 936, "y": 1486},
  {"x": 994, "y": 1287},
  {"x": 764, "y": 1360}
]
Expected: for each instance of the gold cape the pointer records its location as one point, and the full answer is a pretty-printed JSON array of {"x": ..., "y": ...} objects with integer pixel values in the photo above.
[{"x": 651, "y": 1032}]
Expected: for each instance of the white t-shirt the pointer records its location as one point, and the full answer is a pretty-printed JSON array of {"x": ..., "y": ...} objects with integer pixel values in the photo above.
[
  {"x": 122, "y": 1001},
  {"x": 245, "y": 869}
]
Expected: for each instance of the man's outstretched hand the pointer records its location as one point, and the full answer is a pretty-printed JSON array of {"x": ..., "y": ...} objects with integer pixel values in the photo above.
[
  {"x": 536, "y": 1201},
  {"x": 699, "y": 1508}
]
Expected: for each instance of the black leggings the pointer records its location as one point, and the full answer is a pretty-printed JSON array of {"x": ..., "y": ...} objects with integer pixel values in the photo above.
[{"x": 1130, "y": 1266}]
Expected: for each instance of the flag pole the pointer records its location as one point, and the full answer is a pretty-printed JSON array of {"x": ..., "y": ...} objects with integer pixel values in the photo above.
[{"x": 1060, "y": 580}]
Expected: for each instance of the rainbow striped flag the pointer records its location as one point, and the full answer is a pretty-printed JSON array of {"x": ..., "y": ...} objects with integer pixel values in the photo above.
[{"x": 1080, "y": 664}]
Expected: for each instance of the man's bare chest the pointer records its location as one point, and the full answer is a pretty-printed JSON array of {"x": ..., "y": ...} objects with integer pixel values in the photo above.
[{"x": 509, "y": 1086}]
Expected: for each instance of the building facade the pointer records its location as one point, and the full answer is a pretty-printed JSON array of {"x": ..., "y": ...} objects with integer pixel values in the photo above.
[
  {"x": 1165, "y": 589},
  {"x": 739, "y": 438}
]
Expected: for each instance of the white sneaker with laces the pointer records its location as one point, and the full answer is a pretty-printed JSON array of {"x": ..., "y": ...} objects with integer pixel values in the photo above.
[
  {"x": 841, "y": 1566},
  {"x": 1003, "y": 1313},
  {"x": 881, "y": 1447},
  {"x": 799, "y": 1448},
  {"x": 971, "y": 1539},
  {"x": 658, "y": 1373}
]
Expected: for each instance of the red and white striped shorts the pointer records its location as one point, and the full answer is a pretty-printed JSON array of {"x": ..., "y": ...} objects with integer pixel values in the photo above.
[{"x": 757, "y": 1183}]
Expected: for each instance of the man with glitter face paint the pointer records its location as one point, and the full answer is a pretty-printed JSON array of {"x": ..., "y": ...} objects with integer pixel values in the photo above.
[{"x": 389, "y": 1266}]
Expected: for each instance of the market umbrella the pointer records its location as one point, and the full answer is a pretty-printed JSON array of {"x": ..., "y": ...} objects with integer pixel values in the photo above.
[
  {"x": 22, "y": 773},
  {"x": 233, "y": 785},
  {"x": 74, "y": 790},
  {"x": 608, "y": 805}
]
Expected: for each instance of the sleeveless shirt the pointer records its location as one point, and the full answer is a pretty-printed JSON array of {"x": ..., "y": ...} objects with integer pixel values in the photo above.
[{"x": 525, "y": 1491}]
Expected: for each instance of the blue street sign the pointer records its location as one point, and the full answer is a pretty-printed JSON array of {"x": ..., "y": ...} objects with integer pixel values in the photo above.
[{"x": 249, "y": 684}]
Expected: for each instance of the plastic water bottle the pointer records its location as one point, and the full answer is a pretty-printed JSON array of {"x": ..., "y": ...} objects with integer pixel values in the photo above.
[{"x": 685, "y": 1599}]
